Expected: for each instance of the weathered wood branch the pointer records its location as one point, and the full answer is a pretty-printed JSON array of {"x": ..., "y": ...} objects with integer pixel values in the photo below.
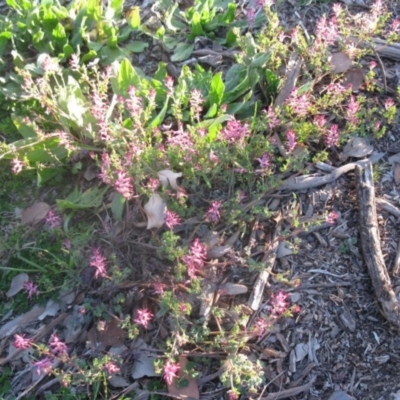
[{"x": 370, "y": 243}]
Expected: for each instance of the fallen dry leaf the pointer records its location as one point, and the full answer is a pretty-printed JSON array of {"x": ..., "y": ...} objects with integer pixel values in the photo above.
[
  {"x": 144, "y": 363},
  {"x": 355, "y": 78},
  {"x": 396, "y": 174},
  {"x": 155, "y": 210},
  {"x": 92, "y": 171},
  {"x": 191, "y": 390},
  {"x": 232, "y": 289},
  {"x": 357, "y": 147},
  {"x": 339, "y": 62},
  {"x": 168, "y": 177},
  {"x": 110, "y": 334},
  {"x": 17, "y": 284},
  {"x": 35, "y": 213}
]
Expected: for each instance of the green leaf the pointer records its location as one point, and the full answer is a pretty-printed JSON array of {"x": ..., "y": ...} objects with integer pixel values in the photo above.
[
  {"x": 212, "y": 111},
  {"x": 260, "y": 60},
  {"x": 161, "y": 115},
  {"x": 117, "y": 206},
  {"x": 91, "y": 198},
  {"x": 127, "y": 77},
  {"x": 89, "y": 56},
  {"x": 197, "y": 29},
  {"x": 230, "y": 14},
  {"x": 133, "y": 17},
  {"x": 272, "y": 85},
  {"x": 215, "y": 125},
  {"x": 182, "y": 52},
  {"x": 136, "y": 46},
  {"x": 231, "y": 38},
  {"x": 46, "y": 174},
  {"x": 24, "y": 129},
  {"x": 217, "y": 90},
  {"x": 114, "y": 9},
  {"x": 237, "y": 83}
]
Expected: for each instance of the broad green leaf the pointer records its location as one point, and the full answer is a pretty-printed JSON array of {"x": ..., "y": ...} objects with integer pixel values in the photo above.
[
  {"x": 197, "y": 29},
  {"x": 231, "y": 38},
  {"x": 127, "y": 77},
  {"x": 136, "y": 46},
  {"x": 133, "y": 17},
  {"x": 260, "y": 60},
  {"x": 236, "y": 83},
  {"x": 230, "y": 14},
  {"x": 24, "y": 129},
  {"x": 117, "y": 206},
  {"x": 72, "y": 101},
  {"x": 212, "y": 111},
  {"x": 37, "y": 150},
  {"x": 273, "y": 81},
  {"x": 217, "y": 90},
  {"x": 161, "y": 115},
  {"x": 68, "y": 51},
  {"x": 215, "y": 126},
  {"x": 89, "y": 56},
  {"x": 46, "y": 174},
  {"x": 91, "y": 198},
  {"x": 307, "y": 87},
  {"x": 182, "y": 52}
]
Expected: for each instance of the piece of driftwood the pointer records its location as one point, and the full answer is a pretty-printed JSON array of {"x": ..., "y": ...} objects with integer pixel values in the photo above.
[
  {"x": 387, "y": 206},
  {"x": 386, "y": 50},
  {"x": 370, "y": 244},
  {"x": 312, "y": 181}
]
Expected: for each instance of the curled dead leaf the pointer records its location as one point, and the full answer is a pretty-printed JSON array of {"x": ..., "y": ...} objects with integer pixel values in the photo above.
[
  {"x": 17, "y": 284},
  {"x": 355, "y": 78},
  {"x": 155, "y": 210},
  {"x": 339, "y": 62},
  {"x": 35, "y": 213},
  {"x": 168, "y": 177}
]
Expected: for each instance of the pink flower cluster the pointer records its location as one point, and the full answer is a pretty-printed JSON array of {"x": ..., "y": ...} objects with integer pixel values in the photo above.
[
  {"x": 31, "y": 289},
  {"x": 279, "y": 303},
  {"x": 213, "y": 213},
  {"x": 195, "y": 260},
  {"x": 98, "y": 262},
  {"x": 171, "y": 371},
  {"x": 300, "y": 104},
  {"x": 143, "y": 317},
  {"x": 235, "y": 132}
]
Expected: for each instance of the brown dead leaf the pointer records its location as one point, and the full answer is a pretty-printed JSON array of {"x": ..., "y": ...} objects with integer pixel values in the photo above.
[
  {"x": 232, "y": 289},
  {"x": 155, "y": 209},
  {"x": 396, "y": 174},
  {"x": 92, "y": 171},
  {"x": 355, "y": 78},
  {"x": 110, "y": 334},
  {"x": 17, "y": 284},
  {"x": 191, "y": 390},
  {"x": 339, "y": 62},
  {"x": 35, "y": 213}
]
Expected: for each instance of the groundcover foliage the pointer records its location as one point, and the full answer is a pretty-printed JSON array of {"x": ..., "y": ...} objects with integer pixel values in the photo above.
[{"x": 193, "y": 150}]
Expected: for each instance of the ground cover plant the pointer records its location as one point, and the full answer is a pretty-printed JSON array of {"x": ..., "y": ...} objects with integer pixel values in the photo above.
[{"x": 148, "y": 189}]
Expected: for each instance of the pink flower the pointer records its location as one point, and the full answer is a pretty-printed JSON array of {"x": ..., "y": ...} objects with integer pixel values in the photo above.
[
  {"x": 196, "y": 100},
  {"x": 327, "y": 30},
  {"x": 31, "y": 288},
  {"x": 352, "y": 108},
  {"x": 235, "y": 132},
  {"x": 320, "y": 121},
  {"x": 337, "y": 9},
  {"x": 171, "y": 219},
  {"x": 53, "y": 220},
  {"x": 171, "y": 371},
  {"x": 332, "y": 137},
  {"x": 134, "y": 103},
  {"x": 21, "y": 343},
  {"x": 158, "y": 288},
  {"x": 395, "y": 24},
  {"x": 299, "y": 104},
  {"x": 195, "y": 260},
  {"x": 265, "y": 163},
  {"x": 292, "y": 140},
  {"x": 233, "y": 394},
  {"x": 143, "y": 317},
  {"x": 67, "y": 245},
  {"x": 169, "y": 83},
  {"x": 213, "y": 213},
  {"x": 57, "y": 347},
  {"x": 272, "y": 118},
  {"x": 124, "y": 184},
  {"x": 111, "y": 368},
  {"x": 279, "y": 303},
  {"x": 261, "y": 325},
  {"x": 389, "y": 103},
  {"x": 45, "y": 365},
  {"x": 17, "y": 165},
  {"x": 332, "y": 217},
  {"x": 372, "y": 64},
  {"x": 99, "y": 263},
  {"x": 251, "y": 14},
  {"x": 74, "y": 62}
]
